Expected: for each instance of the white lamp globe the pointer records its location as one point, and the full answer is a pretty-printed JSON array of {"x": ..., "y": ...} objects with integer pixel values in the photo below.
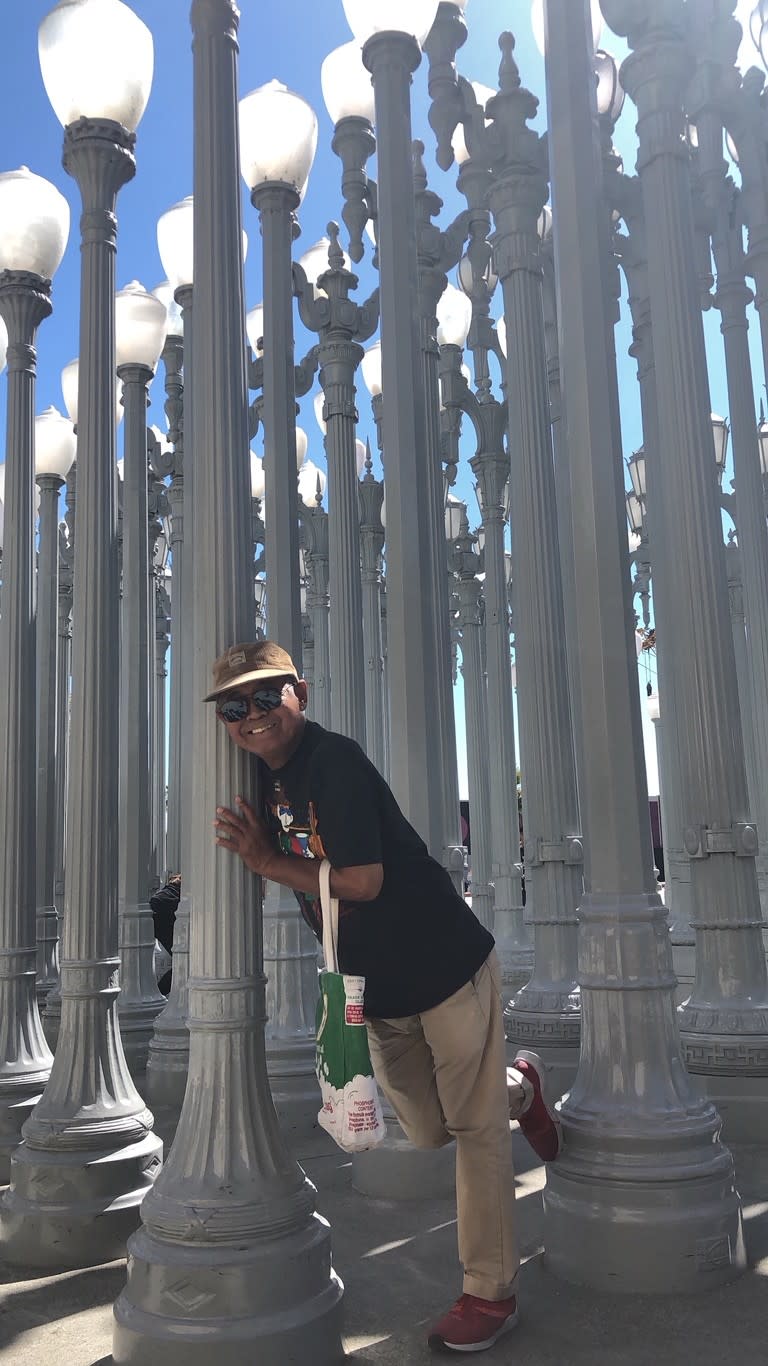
[
  {"x": 174, "y": 324},
  {"x": 3, "y": 344},
  {"x": 120, "y": 469},
  {"x": 454, "y": 315},
  {"x": 308, "y": 480},
  {"x": 55, "y": 443},
  {"x": 140, "y": 322},
  {"x": 346, "y": 84},
  {"x": 257, "y": 476},
  {"x": 175, "y": 242},
  {"x": 366, "y": 17},
  {"x": 70, "y": 378},
  {"x": 34, "y": 223},
  {"x": 254, "y": 326},
  {"x": 318, "y": 404},
  {"x": 371, "y": 368},
  {"x": 278, "y": 137},
  {"x": 359, "y": 456},
  {"x": 97, "y": 61},
  {"x": 301, "y": 447}
]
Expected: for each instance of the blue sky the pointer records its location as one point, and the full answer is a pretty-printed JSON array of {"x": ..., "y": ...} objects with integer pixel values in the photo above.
[{"x": 288, "y": 44}]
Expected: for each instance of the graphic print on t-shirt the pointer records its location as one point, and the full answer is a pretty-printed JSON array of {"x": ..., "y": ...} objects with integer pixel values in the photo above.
[{"x": 302, "y": 839}]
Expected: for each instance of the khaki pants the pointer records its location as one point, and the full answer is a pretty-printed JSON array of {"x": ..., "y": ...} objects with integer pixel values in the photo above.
[{"x": 444, "y": 1075}]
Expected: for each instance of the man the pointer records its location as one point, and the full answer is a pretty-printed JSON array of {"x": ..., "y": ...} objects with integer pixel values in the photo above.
[{"x": 432, "y": 981}]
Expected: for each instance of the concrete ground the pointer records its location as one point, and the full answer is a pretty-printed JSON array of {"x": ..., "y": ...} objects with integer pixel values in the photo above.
[{"x": 398, "y": 1263}]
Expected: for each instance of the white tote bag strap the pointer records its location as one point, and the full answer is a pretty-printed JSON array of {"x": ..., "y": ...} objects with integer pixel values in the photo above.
[{"x": 330, "y": 907}]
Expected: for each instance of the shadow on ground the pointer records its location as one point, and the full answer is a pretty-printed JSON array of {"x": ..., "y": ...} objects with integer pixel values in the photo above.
[{"x": 398, "y": 1263}]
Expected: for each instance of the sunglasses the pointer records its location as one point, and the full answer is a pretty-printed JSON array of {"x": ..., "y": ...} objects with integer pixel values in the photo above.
[{"x": 237, "y": 708}]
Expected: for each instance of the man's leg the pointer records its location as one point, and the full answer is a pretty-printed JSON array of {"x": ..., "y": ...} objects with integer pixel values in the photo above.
[
  {"x": 404, "y": 1069},
  {"x": 466, "y": 1037}
]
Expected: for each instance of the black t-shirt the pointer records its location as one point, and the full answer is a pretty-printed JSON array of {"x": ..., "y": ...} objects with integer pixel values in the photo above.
[{"x": 417, "y": 942}]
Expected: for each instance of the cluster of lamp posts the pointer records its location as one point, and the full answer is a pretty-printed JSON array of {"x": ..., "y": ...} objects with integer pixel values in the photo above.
[{"x": 226, "y": 1248}]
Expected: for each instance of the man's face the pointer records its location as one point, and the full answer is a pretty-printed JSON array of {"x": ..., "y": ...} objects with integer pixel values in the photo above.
[{"x": 273, "y": 734}]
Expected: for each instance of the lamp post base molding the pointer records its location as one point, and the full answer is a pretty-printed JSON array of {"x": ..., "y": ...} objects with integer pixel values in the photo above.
[
  {"x": 166, "y": 1077},
  {"x": 277, "y": 1302},
  {"x": 136, "y": 1030},
  {"x": 684, "y": 966},
  {"x": 395, "y": 1170},
  {"x": 51, "y": 1017},
  {"x": 76, "y": 1213},
  {"x": 293, "y": 1083},
  {"x": 740, "y": 1094},
  {"x": 14, "y": 1111},
  {"x": 633, "y": 1231}
]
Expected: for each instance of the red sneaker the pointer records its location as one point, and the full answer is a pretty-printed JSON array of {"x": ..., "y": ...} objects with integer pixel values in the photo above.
[
  {"x": 539, "y": 1125},
  {"x": 474, "y": 1324}
]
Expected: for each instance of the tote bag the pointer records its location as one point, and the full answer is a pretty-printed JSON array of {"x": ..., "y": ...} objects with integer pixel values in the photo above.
[{"x": 351, "y": 1110}]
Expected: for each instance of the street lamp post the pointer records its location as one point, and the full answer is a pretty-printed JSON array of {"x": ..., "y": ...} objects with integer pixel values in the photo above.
[
  {"x": 391, "y": 53},
  {"x": 723, "y": 1023},
  {"x": 140, "y": 321},
  {"x": 371, "y": 495},
  {"x": 168, "y": 1057},
  {"x": 54, "y": 453},
  {"x": 231, "y": 1260},
  {"x": 642, "y": 1179},
  {"x": 342, "y": 325},
  {"x": 465, "y": 563},
  {"x": 89, "y": 1153},
  {"x": 278, "y": 137},
  {"x": 545, "y": 1013},
  {"x": 35, "y": 226}
]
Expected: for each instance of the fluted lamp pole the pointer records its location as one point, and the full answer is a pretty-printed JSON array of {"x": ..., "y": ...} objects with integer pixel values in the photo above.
[
  {"x": 89, "y": 1153},
  {"x": 140, "y": 322},
  {"x": 231, "y": 1263},
  {"x": 278, "y": 138},
  {"x": 34, "y": 226},
  {"x": 391, "y": 35},
  {"x": 55, "y": 444},
  {"x": 643, "y": 1180}
]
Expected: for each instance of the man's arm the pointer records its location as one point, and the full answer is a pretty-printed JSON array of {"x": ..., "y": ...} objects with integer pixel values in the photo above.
[{"x": 245, "y": 834}]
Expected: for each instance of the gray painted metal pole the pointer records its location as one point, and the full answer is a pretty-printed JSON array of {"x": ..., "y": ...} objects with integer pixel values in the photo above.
[
  {"x": 51, "y": 1016},
  {"x": 231, "y": 1260},
  {"x": 24, "y": 1057},
  {"x": 726, "y": 1016},
  {"x": 470, "y": 625},
  {"x": 341, "y": 326},
  {"x": 371, "y": 496},
  {"x": 173, "y": 358},
  {"x": 168, "y": 1058},
  {"x": 411, "y": 664},
  {"x": 436, "y": 252},
  {"x": 677, "y": 863},
  {"x": 89, "y": 1154},
  {"x": 47, "y": 642},
  {"x": 162, "y": 622},
  {"x": 289, "y": 953},
  {"x": 514, "y": 943},
  {"x": 140, "y": 1001},
  {"x": 651, "y": 1195},
  {"x": 545, "y": 1013}
]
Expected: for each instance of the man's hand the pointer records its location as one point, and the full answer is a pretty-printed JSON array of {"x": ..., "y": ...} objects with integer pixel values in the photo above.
[{"x": 247, "y": 835}]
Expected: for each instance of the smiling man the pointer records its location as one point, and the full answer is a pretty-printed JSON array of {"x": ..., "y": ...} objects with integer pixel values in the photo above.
[{"x": 432, "y": 982}]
